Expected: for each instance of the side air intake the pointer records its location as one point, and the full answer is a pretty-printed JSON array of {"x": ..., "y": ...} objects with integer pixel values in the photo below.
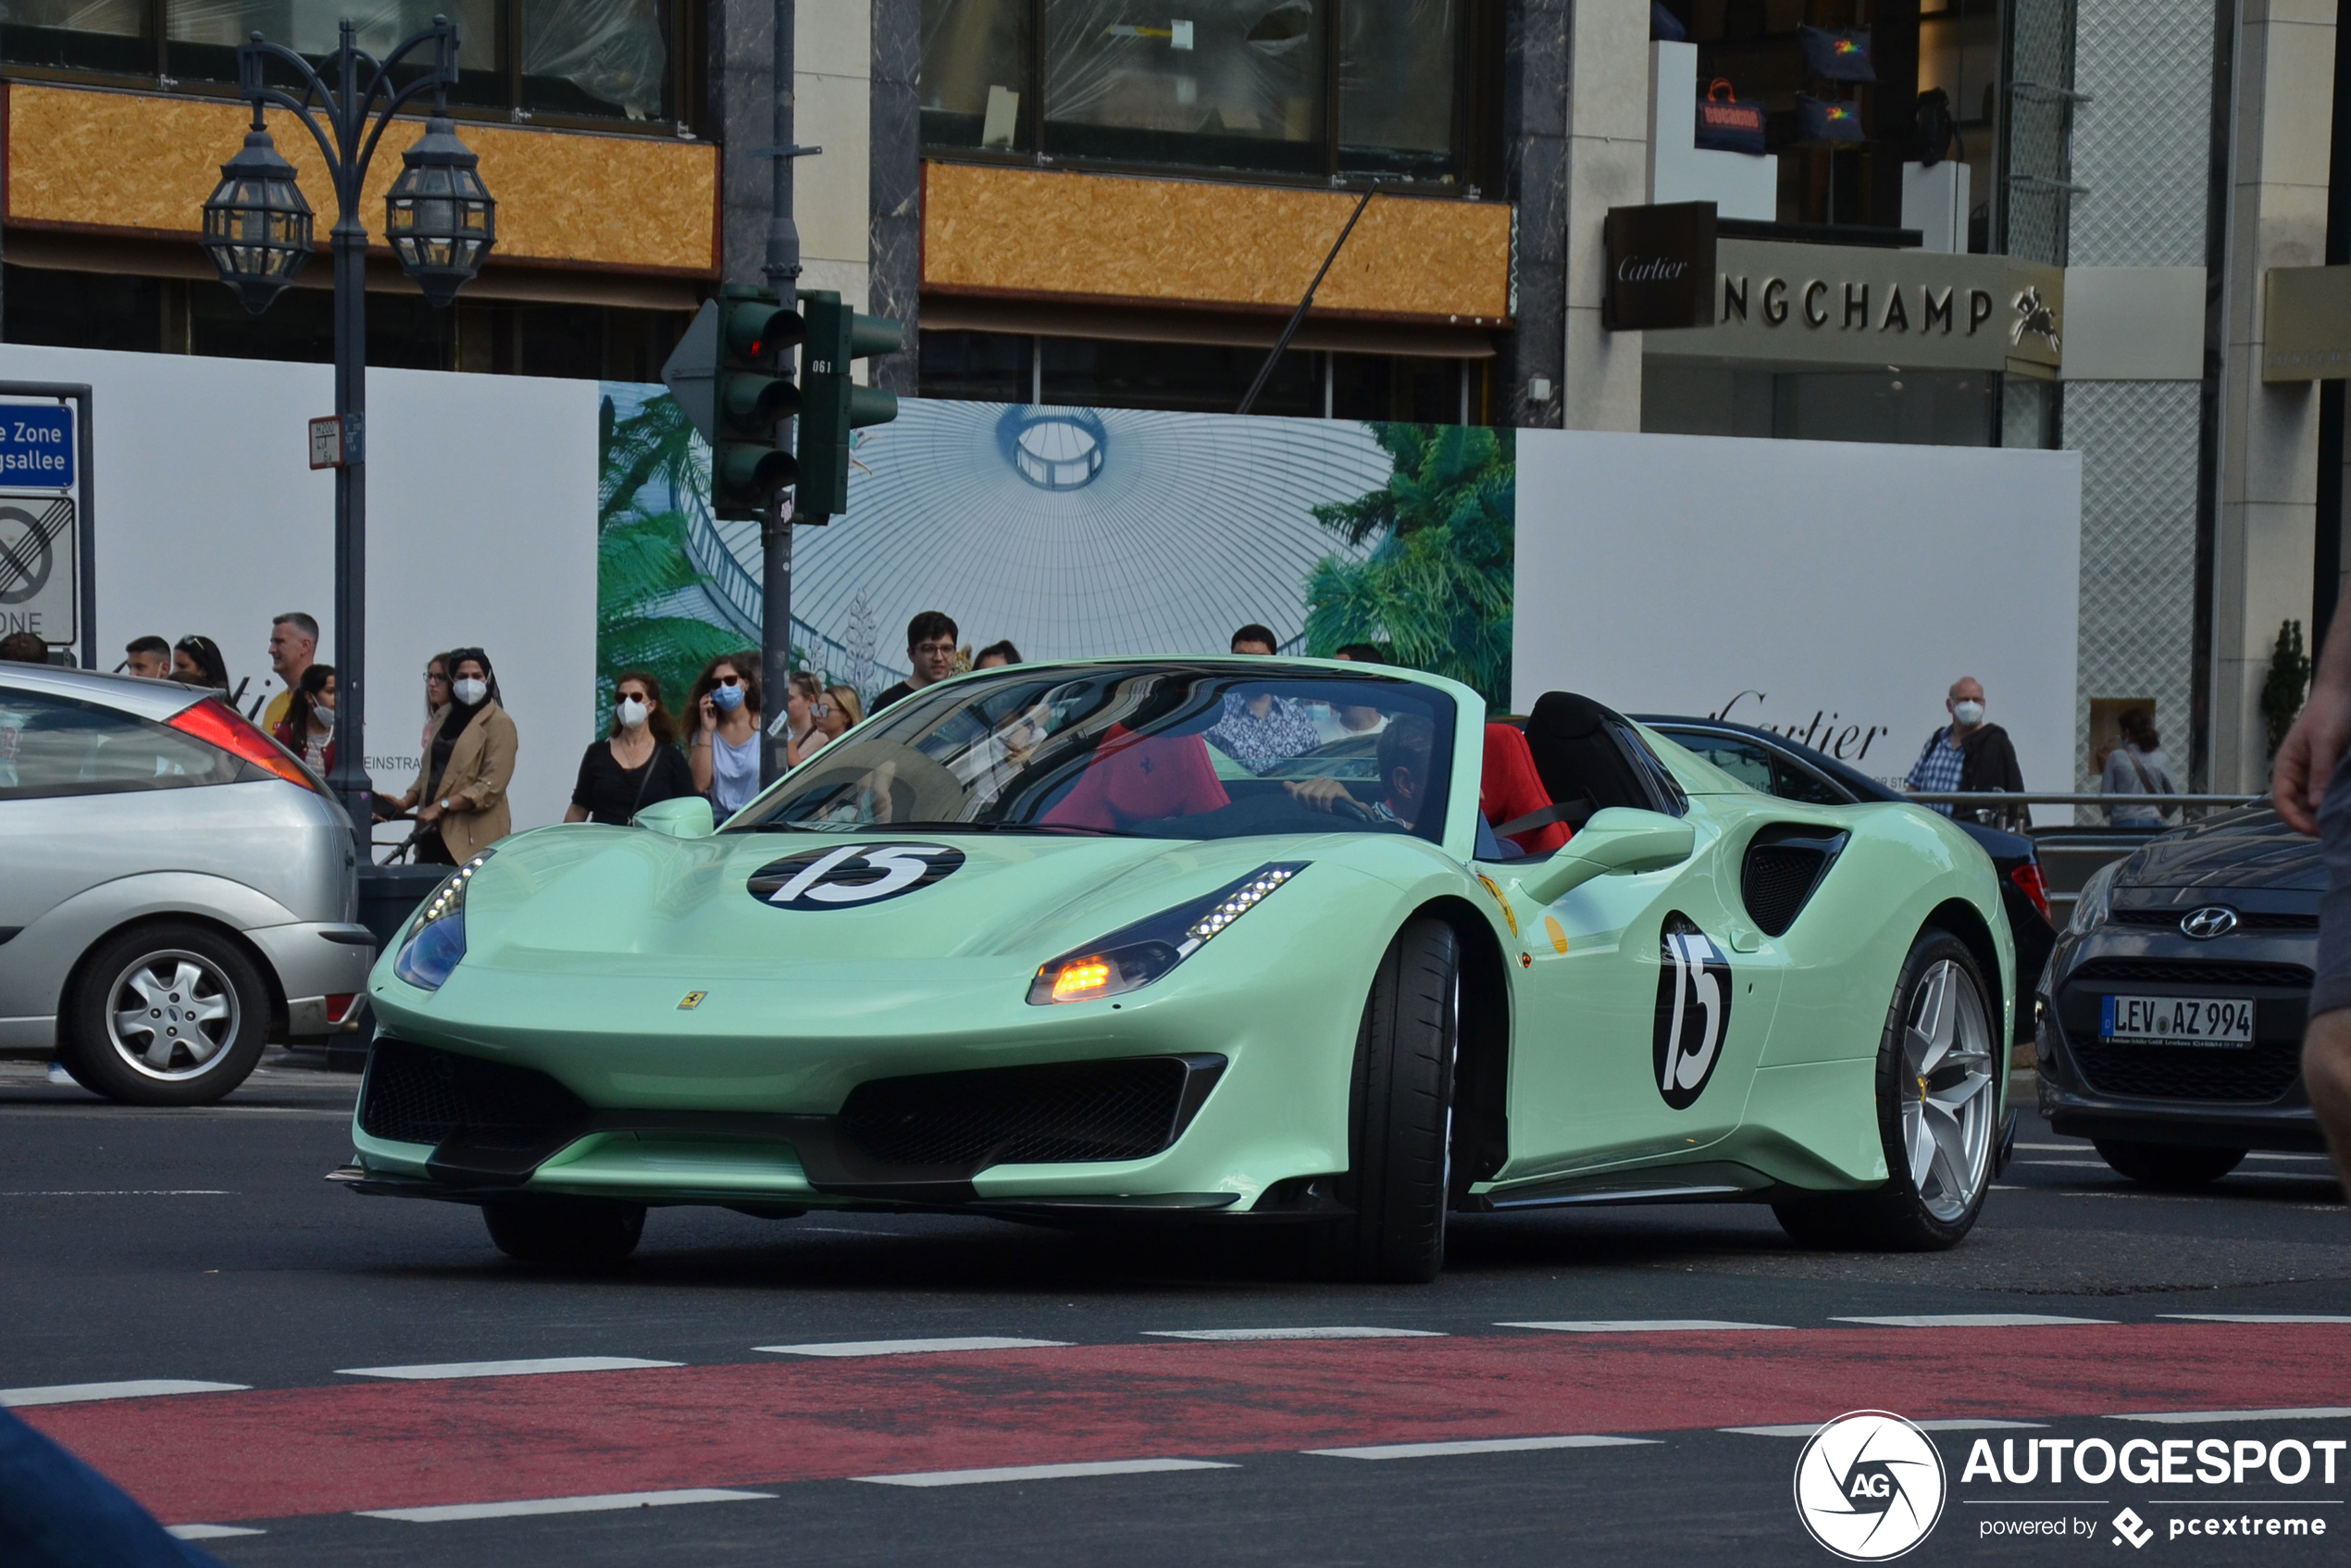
[{"x": 1785, "y": 866}]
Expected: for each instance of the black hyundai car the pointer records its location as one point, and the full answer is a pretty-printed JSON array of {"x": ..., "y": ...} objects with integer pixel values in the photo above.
[
  {"x": 2171, "y": 1013},
  {"x": 1793, "y": 771}
]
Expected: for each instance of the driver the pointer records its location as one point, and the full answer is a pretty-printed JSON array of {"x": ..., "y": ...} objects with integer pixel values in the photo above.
[{"x": 1403, "y": 757}]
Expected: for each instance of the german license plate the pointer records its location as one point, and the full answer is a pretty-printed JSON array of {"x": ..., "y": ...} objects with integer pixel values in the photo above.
[{"x": 2221, "y": 1021}]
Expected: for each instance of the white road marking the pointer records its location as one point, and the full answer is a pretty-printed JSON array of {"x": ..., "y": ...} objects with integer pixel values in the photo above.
[
  {"x": 2072, "y": 1164},
  {"x": 1292, "y": 1334},
  {"x": 2057, "y": 1147},
  {"x": 1948, "y": 1423},
  {"x": 2259, "y": 1154},
  {"x": 2257, "y": 1317},
  {"x": 909, "y": 1346},
  {"x": 440, "y": 1370},
  {"x": 210, "y": 1531},
  {"x": 1970, "y": 1319},
  {"x": 1043, "y": 1472},
  {"x": 132, "y": 1192},
  {"x": 600, "y": 1503},
  {"x": 2192, "y": 1417},
  {"x": 1640, "y": 1325},
  {"x": 1482, "y": 1445},
  {"x": 137, "y": 1388}
]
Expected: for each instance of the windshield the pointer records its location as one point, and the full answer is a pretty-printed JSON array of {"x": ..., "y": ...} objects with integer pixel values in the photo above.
[{"x": 1160, "y": 752}]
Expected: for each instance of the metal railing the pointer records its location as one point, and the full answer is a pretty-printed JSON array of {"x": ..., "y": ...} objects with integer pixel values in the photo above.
[{"x": 2003, "y": 798}]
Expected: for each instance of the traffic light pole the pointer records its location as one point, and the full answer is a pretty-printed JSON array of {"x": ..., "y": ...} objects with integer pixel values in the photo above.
[{"x": 783, "y": 276}]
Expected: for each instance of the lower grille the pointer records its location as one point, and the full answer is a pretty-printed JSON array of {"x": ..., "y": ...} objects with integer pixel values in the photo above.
[
  {"x": 1065, "y": 1112},
  {"x": 2156, "y": 1072},
  {"x": 2191, "y": 971},
  {"x": 414, "y": 1094}
]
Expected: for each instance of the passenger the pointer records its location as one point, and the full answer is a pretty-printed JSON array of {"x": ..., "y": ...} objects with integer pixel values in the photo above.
[
  {"x": 460, "y": 793},
  {"x": 638, "y": 766},
  {"x": 725, "y": 710},
  {"x": 1362, "y": 654},
  {"x": 1404, "y": 751}
]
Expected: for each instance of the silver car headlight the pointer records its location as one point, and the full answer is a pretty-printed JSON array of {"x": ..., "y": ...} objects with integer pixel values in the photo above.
[
  {"x": 438, "y": 939},
  {"x": 2095, "y": 901}
]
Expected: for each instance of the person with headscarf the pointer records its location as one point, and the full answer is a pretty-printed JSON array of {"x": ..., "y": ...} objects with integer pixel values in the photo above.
[{"x": 460, "y": 794}]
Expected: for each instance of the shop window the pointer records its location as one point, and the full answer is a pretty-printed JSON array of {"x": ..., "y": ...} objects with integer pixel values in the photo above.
[
  {"x": 977, "y": 367},
  {"x": 1231, "y": 84},
  {"x": 82, "y": 309},
  {"x": 1908, "y": 408},
  {"x": 1196, "y": 378},
  {"x": 570, "y": 59}
]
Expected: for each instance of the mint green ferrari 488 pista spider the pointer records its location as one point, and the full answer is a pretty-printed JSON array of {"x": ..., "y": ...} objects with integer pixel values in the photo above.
[{"x": 1247, "y": 942}]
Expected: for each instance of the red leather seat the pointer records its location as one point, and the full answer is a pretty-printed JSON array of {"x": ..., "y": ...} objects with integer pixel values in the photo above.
[
  {"x": 1509, "y": 788},
  {"x": 1136, "y": 778}
]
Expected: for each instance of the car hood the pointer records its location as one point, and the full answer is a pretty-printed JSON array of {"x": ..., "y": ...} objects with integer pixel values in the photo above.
[
  {"x": 614, "y": 901},
  {"x": 2251, "y": 849}
]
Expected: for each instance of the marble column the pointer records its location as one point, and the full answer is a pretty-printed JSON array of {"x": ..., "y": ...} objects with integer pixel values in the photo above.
[
  {"x": 1535, "y": 183},
  {"x": 894, "y": 238}
]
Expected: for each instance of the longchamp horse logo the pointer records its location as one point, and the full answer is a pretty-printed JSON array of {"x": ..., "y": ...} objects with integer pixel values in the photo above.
[{"x": 2034, "y": 315}]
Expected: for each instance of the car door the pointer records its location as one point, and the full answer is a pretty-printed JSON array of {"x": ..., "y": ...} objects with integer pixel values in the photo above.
[{"x": 1644, "y": 1004}]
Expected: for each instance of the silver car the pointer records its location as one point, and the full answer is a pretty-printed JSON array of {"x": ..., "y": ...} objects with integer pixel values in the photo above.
[{"x": 175, "y": 888}]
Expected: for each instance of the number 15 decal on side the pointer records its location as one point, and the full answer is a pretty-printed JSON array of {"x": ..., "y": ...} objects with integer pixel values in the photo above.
[{"x": 1693, "y": 1010}]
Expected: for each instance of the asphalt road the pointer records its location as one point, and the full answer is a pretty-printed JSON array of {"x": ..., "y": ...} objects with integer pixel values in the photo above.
[{"x": 204, "y": 1247}]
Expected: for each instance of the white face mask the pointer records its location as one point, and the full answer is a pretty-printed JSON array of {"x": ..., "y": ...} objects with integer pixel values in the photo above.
[
  {"x": 470, "y": 691},
  {"x": 632, "y": 712},
  {"x": 1969, "y": 714}
]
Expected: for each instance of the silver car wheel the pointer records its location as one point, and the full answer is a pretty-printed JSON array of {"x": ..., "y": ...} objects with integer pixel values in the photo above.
[
  {"x": 170, "y": 1014},
  {"x": 1947, "y": 1091}
]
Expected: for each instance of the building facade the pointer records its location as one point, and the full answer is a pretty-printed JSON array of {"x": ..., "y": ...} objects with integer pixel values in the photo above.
[{"x": 1974, "y": 222}]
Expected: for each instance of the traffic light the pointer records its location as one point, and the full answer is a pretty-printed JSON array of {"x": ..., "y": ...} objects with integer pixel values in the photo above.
[
  {"x": 731, "y": 374},
  {"x": 830, "y": 407}
]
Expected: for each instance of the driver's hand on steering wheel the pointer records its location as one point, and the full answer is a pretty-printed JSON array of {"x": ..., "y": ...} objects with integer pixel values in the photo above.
[{"x": 1323, "y": 794}]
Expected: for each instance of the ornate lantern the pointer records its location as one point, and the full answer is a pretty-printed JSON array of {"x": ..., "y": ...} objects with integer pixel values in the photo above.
[
  {"x": 438, "y": 216},
  {"x": 256, "y": 225}
]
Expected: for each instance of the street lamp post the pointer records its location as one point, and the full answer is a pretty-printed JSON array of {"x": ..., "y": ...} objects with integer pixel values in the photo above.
[{"x": 440, "y": 222}]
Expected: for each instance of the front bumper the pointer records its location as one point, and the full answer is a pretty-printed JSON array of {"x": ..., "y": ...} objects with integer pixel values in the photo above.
[{"x": 2209, "y": 1098}]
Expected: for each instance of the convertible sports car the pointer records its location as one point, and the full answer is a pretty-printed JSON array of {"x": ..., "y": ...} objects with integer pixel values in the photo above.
[{"x": 1238, "y": 941}]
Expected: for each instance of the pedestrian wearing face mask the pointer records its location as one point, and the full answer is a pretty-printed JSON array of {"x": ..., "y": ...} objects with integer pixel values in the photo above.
[
  {"x": 308, "y": 729},
  {"x": 724, "y": 750},
  {"x": 1968, "y": 756},
  {"x": 460, "y": 794},
  {"x": 637, "y": 766}
]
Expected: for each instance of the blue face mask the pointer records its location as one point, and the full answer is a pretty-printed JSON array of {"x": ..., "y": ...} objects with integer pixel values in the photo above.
[{"x": 728, "y": 698}]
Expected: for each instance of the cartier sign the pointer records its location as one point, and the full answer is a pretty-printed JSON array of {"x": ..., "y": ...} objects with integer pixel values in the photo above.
[
  {"x": 1798, "y": 304},
  {"x": 1660, "y": 266}
]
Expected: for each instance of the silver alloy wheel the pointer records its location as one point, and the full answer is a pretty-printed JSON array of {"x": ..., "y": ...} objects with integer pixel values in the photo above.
[
  {"x": 170, "y": 1014},
  {"x": 1947, "y": 1091}
]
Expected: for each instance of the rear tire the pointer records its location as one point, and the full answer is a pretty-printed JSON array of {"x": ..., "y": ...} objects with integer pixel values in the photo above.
[
  {"x": 2168, "y": 1167},
  {"x": 574, "y": 1232},
  {"x": 173, "y": 1013},
  {"x": 1399, "y": 1113},
  {"x": 1938, "y": 1072}
]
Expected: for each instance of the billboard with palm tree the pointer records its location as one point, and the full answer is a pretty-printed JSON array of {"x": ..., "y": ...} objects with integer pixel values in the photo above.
[{"x": 1071, "y": 532}]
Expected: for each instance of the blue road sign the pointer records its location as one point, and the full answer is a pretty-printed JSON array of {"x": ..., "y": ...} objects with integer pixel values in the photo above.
[{"x": 36, "y": 445}]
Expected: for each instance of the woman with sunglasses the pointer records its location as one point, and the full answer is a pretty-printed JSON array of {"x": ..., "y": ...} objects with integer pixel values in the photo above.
[
  {"x": 197, "y": 660},
  {"x": 637, "y": 766},
  {"x": 725, "y": 752}
]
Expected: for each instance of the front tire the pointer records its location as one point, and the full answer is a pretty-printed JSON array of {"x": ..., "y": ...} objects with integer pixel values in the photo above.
[
  {"x": 1937, "y": 1102},
  {"x": 2168, "y": 1167},
  {"x": 569, "y": 1232},
  {"x": 173, "y": 1014},
  {"x": 1399, "y": 1113}
]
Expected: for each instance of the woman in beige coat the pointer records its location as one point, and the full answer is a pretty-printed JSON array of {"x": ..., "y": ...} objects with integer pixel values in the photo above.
[{"x": 469, "y": 763}]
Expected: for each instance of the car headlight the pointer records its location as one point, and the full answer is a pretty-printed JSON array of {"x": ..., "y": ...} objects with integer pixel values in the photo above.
[
  {"x": 1132, "y": 956},
  {"x": 2097, "y": 901},
  {"x": 438, "y": 939}
]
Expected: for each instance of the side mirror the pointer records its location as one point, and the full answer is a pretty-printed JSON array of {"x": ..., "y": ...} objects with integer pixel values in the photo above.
[
  {"x": 689, "y": 816},
  {"x": 1619, "y": 840}
]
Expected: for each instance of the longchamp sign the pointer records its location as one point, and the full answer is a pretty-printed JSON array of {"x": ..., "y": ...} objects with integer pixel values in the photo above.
[{"x": 1857, "y": 305}]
